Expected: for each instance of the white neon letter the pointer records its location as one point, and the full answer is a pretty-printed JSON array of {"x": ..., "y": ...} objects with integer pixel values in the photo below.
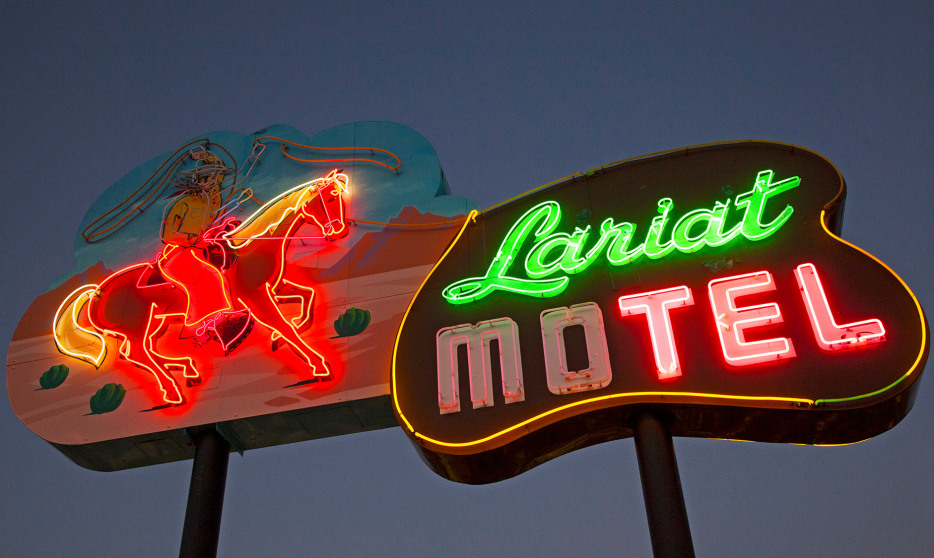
[
  {"x": 828, "y": 334},
  {"x": 562, "y": 380},
  {"x": 655, "y": 305},
  {"x": 479, "y": 363},
  {"x": 732, "y": 321}
]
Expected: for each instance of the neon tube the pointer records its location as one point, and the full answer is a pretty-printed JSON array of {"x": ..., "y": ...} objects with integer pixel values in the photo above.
[
  {"x": 551, "y": 257},
  {"x": 733, "y": 321},
  {"x": 828, "y": 334},
  {"x": 656, "y": 305}
]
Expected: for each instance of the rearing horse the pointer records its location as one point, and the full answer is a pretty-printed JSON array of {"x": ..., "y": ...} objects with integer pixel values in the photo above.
[{"x": 137, "y": 303}]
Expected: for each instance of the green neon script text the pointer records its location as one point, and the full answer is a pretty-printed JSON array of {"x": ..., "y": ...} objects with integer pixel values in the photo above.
[{"x": 554, "y": 256}]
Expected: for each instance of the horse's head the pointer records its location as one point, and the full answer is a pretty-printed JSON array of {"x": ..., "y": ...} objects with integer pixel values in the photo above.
[{"x": 327, "y": 208}]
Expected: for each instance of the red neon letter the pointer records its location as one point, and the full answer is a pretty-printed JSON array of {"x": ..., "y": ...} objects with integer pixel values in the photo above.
[
  {"x": 829, "y": 335},
  {"x": 733, "y": 321},
  {"x": 655, "y": 305}
]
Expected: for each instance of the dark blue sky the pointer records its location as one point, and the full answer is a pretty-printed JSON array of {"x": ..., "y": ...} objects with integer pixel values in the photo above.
[{"x": 510, "y": 98}]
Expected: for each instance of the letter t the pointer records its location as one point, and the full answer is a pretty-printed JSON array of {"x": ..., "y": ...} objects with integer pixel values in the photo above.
[{"x": 655, "y": 305}]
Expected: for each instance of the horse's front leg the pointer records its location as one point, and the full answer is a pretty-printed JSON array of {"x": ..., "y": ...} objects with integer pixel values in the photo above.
[
  {"x": 262, "y": 303},
  {"x": 288, "y": 290}
]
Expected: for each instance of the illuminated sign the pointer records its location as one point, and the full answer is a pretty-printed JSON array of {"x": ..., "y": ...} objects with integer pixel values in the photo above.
[
  {"x": 227, "y": 283},
  {"x": 278, "y": 296},
  {"x": 708, "y": 283}
]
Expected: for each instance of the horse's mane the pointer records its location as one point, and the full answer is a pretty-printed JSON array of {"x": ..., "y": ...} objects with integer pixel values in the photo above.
[{"x": 270, "y": 215}]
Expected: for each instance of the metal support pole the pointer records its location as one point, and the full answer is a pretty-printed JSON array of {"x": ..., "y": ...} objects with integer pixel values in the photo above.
[
  {"x": 661, "y": 488},
  {"x": 205, "y": 494}
]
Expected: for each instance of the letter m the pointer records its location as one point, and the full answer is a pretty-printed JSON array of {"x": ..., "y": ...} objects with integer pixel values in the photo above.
[{"x": 478, "y": 357}]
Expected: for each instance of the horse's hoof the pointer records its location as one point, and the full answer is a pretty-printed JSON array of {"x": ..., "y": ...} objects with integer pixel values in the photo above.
[
  {"x": 323, "y": 377},
  {"x": 193, "y": 382}
]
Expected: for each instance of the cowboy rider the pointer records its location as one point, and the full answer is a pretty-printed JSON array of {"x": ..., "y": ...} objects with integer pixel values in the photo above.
[{"x": 186, "y": 259}]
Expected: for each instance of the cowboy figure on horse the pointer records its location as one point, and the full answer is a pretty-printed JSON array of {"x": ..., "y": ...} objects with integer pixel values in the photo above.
[{"x": 193, "y": 260}]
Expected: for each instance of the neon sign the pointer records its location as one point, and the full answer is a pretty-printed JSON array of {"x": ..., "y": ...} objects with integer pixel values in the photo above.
[
  {"x": 743, "y": 317},
  {"x": 554, "y": 256},
  {"x": 642, "y": 284},
  {"x": 227, "y": 283}
]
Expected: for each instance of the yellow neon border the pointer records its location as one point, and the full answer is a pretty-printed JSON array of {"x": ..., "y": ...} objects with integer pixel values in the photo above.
[
  {"x": 924, "y": 332},
  {"x": 472, "y": 216},
  {"x": 607, "y": 397},
  {"x": 809, "y": 402}
]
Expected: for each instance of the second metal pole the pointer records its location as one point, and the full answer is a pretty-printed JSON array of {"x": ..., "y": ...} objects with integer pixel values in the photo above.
[
  {"x": 205, "y": 494},
  {"x": 661, "y": 488}
]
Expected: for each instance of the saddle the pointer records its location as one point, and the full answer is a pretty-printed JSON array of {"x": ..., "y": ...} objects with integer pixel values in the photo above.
[{"x": 220, "y": 255}]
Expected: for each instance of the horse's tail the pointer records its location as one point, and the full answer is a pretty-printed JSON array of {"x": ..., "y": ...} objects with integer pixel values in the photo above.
[{"x": 73, "y": 339}]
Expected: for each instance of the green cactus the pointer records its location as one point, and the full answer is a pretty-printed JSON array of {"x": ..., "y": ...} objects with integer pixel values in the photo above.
[
  {"x": 352, "y": 322},
  {"x": 53, "y": 377},
  {"x": 107, "y": 399}
]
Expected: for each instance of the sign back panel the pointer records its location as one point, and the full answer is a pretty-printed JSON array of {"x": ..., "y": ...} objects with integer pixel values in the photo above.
[
  {"x": 708, "y": 283},
  {"x": 253, "y": 282}
]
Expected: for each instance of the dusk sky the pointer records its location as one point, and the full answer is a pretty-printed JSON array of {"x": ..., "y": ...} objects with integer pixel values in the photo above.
[{"x": 511, "y": 97}]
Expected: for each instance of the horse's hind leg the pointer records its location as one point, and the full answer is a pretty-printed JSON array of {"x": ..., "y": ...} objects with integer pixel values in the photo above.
[
  {"x": 184, "y": 364},
  {"x": 266, "y": 311},
  {"x": 134, "y": 350}
]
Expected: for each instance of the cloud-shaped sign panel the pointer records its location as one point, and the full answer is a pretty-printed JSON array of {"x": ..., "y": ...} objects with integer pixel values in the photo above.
[
  {"x": 709, "y": 283},
  {"x": 256, "y": 282}
]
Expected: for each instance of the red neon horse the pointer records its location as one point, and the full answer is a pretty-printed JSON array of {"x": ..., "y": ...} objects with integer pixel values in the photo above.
[{"x": 137, "y": 303}]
